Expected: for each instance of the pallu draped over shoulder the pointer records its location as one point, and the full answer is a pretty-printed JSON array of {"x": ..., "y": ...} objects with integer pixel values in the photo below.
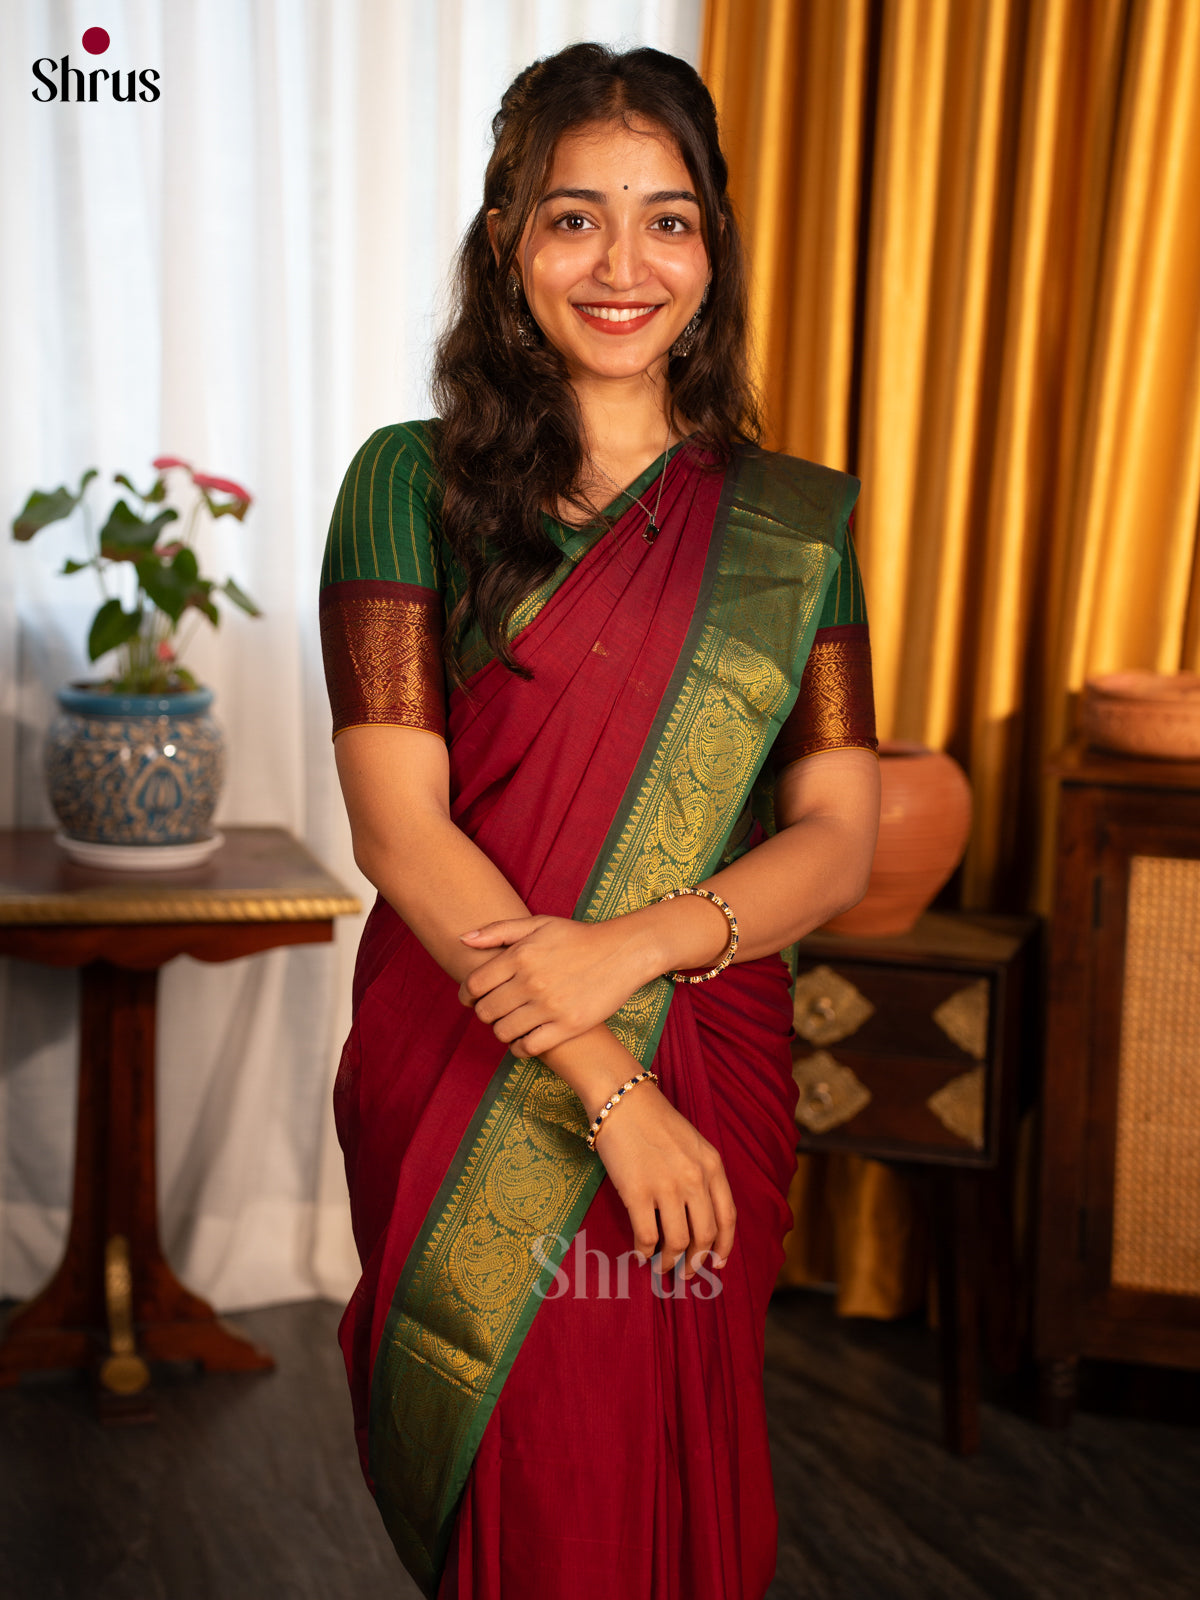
[{"x": 538, "y": 1415}]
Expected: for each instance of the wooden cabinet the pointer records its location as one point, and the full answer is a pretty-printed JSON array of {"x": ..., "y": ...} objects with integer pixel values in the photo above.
[
  {"x": 1118, "y": 1213},
  {"x": 920, "y": 1048}
]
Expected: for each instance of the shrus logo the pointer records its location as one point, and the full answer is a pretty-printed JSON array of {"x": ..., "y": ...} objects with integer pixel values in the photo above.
[{"x": 95, "y": 41}]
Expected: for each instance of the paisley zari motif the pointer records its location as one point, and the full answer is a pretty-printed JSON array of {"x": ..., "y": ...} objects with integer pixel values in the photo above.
[{"x": 469, "y": 1289}]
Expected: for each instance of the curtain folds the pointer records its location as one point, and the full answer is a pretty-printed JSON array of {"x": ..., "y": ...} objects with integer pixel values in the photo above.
[{"x": 1009, "y": 358}]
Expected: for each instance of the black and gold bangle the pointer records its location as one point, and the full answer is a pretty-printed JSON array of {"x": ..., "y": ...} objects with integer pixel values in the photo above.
[
  {"x": 730, "y": 948},
  {"x": 590, "y": 1139}
]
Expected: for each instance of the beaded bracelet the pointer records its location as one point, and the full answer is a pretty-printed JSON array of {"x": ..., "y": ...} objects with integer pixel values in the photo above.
[
  {"x": 590, "y": 1139},
  {"x": 730, "y": 948}
]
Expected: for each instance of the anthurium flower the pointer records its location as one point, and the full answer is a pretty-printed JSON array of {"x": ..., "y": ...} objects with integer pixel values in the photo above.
[
  {"x": 164, "y": 651},
  {"x": 161, "y": 463},
  {"x": 202, "y": 480}
]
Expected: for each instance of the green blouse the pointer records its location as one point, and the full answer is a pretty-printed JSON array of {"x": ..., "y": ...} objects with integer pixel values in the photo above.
[{"x": 388, "y": 581}]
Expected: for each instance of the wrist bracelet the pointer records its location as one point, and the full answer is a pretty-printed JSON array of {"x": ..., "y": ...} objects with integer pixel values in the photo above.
[
  {"x": 590, "y": 1138},
  {"x": 730, "y": 948}
]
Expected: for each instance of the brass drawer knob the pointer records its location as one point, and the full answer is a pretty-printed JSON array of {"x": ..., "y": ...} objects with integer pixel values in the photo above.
[{"x": 828, "y": 1006}]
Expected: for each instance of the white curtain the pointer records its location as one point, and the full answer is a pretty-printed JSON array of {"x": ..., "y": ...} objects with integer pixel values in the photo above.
[{"x": 247, "y": 273}]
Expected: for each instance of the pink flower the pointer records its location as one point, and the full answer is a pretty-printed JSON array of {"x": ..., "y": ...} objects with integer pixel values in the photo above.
[
  {"x": 161, "y": 463},
  {"x": 164, "y": 652},
  {"x": 202, "y": 480}
]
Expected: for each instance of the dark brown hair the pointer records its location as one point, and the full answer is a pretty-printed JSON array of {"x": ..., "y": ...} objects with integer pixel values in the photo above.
[{"x": 511, "y": 438}]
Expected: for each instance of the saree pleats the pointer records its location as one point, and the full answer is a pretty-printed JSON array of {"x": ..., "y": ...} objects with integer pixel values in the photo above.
[{"x": 612, "y": 1371}]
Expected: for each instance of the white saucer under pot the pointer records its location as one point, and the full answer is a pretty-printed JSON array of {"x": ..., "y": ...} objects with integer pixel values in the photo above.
[{"x": 139, "y": 857}]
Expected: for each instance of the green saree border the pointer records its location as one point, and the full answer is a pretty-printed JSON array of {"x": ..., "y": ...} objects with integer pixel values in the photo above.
[{"x": 521, "y": 1175}]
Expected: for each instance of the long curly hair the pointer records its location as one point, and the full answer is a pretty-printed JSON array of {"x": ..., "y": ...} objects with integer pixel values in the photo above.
[{"x": 511, "y": 437}]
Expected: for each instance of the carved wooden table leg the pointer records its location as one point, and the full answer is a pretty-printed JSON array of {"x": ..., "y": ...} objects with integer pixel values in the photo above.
[{"x": 115, "y": 1197}]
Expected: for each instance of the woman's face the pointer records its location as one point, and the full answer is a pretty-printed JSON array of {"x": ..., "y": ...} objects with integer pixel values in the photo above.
[{"x": 612, "y": 260}]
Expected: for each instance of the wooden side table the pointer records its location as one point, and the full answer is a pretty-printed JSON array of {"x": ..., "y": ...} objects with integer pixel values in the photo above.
[
  {"x": 114, "y": 1302},
  {"x": 919, "y": 1048}
]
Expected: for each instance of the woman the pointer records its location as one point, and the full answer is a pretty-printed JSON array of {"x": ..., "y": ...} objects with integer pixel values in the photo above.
[{"x": 555, "y": 1350}]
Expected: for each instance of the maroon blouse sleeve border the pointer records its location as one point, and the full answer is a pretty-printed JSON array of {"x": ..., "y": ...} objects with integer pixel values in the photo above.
[
  {"x": 835, "y": 708},
  {"x": 382, "y": 646}
]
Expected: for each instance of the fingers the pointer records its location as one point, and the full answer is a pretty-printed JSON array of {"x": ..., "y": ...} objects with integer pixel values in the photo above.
[
  {"x": 676, "y": 1233},
  {"x": 645, "y": 1229},
  {"x": 725, "y": 1213},
  {"x": 500, "y": 969},
  {"x": 704, "y": 1231},
  {"x": 510, "y": 931}
]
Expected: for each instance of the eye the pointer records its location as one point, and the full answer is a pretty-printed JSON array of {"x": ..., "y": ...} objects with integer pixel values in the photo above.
[
  {"x": 572, "y": 222},
  {"x": 671, "y": 226}
]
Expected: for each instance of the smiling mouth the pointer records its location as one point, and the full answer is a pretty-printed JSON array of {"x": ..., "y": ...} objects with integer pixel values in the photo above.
[{"x": 617, "y": 319}]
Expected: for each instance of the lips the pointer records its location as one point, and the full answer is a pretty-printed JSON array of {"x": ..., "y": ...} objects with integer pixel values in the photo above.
[{"x": 616, "y": 318}]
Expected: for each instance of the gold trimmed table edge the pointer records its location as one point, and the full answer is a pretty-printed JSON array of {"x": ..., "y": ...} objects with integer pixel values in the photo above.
[
  {"x": 261, "y": 874},
  {"x": 205, "y": 906}
]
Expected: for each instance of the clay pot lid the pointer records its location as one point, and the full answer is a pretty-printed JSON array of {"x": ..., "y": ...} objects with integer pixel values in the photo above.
[{"x": 1146, "y": 686}]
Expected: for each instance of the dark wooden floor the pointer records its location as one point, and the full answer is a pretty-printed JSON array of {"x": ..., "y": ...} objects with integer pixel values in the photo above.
[{"x": 247, "y": 1488}]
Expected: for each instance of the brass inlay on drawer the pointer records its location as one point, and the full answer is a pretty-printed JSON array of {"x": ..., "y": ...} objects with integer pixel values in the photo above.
[
  {"x": 830, "y": 1093},
  {"x": 963, "y": 1017},
  {"x": 828, "y": 1006},
  {"x": 959, "y": 1105}
]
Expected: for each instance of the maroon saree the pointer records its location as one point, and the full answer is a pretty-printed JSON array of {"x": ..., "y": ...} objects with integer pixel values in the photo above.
[{"x": 537, "y": 1416}]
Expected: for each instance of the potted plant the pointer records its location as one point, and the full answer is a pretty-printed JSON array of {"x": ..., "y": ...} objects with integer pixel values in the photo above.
[{"x": 134, "y": 761}]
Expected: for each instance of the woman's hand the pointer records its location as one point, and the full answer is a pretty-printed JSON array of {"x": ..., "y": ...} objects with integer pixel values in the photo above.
[
  {"x": 659, "y": 1162},
  {"x": 552, "y": 979}
]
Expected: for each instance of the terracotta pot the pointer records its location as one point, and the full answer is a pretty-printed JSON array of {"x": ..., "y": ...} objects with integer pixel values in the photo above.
[
  {"x": 1154, "y": 714},
  {"x": 924, "y": 822}
]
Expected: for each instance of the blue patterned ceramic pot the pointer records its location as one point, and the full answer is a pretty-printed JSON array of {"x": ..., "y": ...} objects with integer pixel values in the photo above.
[{"x": 135, "y": 768}]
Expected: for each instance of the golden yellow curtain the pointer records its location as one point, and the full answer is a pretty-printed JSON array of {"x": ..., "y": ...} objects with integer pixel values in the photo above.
[{"x": 975, "y": 235}]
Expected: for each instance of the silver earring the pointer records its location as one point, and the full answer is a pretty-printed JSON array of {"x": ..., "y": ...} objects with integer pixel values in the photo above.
[
  {"x": 526, "y": 327},
  {"x": 687, "y": 338}
]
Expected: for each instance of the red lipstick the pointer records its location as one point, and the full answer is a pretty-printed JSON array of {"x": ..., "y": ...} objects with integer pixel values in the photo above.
[{"x": 614, "y": 325}]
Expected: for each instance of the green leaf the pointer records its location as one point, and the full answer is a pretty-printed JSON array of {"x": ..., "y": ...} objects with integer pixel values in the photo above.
[
  {"x": 186, "y": 565},
  {"x": 156, "y": 492},
  {"x": 42, "y": 508},
  {"x": 169, "y": 584},
  {"x": 209, "y": 610},
  {"x": 241, "y": 598},
  {"x": 119, "y": 477},
  {"x": 111, "y": 626},
  {"x": 73, "y": 566},
  {"x": 228, "y": 508},
  {"x": 127, "y": 537}
]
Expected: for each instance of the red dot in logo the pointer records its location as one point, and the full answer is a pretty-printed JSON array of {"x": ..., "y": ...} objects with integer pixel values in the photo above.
[{"x": 95, "y": 41}]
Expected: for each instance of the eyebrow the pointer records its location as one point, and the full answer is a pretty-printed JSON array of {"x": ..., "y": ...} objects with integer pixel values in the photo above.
[{"x": 596, "y": 198}]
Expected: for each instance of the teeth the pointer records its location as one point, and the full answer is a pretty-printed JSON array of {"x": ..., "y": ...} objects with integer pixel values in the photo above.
[{"x": 612, "y": 314}]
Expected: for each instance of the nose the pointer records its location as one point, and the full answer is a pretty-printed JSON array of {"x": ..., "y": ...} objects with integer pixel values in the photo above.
[{"x": 622, "y": 266}]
